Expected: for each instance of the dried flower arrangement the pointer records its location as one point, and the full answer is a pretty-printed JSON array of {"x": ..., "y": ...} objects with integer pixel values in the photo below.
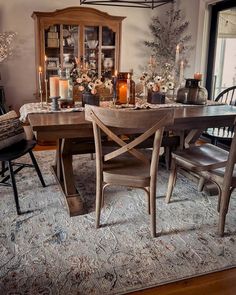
[
  {"x": 87, "y": 81},
  {"x": 153, "y": 81}
]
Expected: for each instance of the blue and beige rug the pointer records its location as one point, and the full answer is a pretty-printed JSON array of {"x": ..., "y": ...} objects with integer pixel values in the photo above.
[{"x": 47, "y": 252}]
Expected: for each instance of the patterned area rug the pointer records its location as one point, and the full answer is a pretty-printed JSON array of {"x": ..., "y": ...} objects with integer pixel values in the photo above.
[{"x": 47, "y": 252}]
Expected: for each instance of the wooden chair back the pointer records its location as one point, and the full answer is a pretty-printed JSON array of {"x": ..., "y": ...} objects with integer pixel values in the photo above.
[
  {"x": 227, "y": 96},
  {"x": 225, "y": 133},
  {"x": 114, "y": 122},
  {"x": 134, "y": 169}
]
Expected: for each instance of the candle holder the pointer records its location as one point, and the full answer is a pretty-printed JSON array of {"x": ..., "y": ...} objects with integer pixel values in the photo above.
[
  {"x": 55, "y": 103},
  {"x": 114, "y": 82},
  {"x": 192, "y": 93},
  {"x": 122, "y": 91},
  {"x": 41, "y": 98}
]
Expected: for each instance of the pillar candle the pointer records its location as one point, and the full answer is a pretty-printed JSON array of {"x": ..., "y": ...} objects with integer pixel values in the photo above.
[
  {"x": 63, "y": 88},
  {"x": 198, "y": 76},
  {"x": 123, "y": 93},
  {"x": 128, "y": 88},
  {"x": 114, "y": 85},
  {"x": 181, "y": 72},
  {"x": 54, "y": 86},
  {"x": 46, "y": 90},
  {"x": 177, "y": 54},
  {"x": 40, "y": 79},
  {"x": 45, "y": 67},
  {"x": 40, "y": 86}
]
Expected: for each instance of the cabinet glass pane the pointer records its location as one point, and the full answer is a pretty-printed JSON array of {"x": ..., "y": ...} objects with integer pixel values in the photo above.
[
  {"x": 108, "y": 37},
  {"x": 70, "y": 35},
  {"x": 52, "y": 49},
  {"x": 61, "y": 47},
  {"x": 91, "y": 39},
  {"x": 108, "y": 52},
  {"x": 108, "y": 62}
]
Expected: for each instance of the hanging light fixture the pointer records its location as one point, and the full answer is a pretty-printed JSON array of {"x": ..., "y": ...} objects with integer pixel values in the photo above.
[{"x": 131, "y": 3}]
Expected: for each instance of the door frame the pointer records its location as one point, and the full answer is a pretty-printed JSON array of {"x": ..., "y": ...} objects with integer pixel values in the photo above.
[{"x": 215, "y": 9}]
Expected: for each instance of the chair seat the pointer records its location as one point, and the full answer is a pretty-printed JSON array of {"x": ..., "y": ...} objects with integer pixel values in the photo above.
[
  {"x": 16, "y": 150},
  {"x": 201, "y": 156},
  {"x": 126, "y": 171}
]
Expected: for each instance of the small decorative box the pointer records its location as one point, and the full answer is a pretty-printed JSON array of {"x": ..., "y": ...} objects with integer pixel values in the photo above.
[{"x": 156, "y": 97}]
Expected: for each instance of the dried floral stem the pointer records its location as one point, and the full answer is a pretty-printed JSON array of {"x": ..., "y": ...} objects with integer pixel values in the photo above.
[{"x": 6, "y": 44}]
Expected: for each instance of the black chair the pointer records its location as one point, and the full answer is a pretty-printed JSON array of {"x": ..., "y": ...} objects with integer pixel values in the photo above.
[
  {"x": 7, "y": 156},
  {"x": 222, "y": 136}
]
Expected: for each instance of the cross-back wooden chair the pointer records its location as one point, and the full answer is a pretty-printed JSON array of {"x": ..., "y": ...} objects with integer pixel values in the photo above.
[
  {"x": 212, "y": 163},
  {"x": 13, "y": 145},
  {"x": 126, "y": 165},
  {"x": 224, "y": 134}
]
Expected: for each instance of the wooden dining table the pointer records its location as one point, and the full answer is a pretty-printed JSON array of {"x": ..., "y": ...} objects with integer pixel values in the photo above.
[{"x": 70, "y": 129}]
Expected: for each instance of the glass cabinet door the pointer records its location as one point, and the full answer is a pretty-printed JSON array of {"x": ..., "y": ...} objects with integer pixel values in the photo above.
[
  {"x": 108, "y": 60},
  {"x": 52, "y": 49},
  {"x": 97, "y": 52},
  {"x": 91, "y": 50},
  {"x": 61, "y": 48},
  {"x": 70, "y": 48}
]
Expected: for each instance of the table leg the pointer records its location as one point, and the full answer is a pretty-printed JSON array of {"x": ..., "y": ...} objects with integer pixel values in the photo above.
[
  {"x": 64, "y": 172},
  {"x": 58, "y": 168}
]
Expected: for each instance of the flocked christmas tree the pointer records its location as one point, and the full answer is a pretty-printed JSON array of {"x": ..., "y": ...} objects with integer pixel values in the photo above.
[{"x": 170, "y": 45}]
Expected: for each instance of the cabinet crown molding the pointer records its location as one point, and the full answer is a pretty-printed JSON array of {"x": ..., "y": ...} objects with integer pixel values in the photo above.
[{"x": 77, "y": 11}]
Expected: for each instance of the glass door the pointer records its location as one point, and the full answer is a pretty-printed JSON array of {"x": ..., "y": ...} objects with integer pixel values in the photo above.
[
  {"x": 91, "y": 50},
  {"x": 99, "y": 51},
  {"x": 221, "y": 71},
  {"x": 52, "y": 50},
  {"x": 61, "y": 48},
  {"x": 70, "y": 48},
  {"x": 225, "y": 60},
  {"x": 108, "y": 60}
]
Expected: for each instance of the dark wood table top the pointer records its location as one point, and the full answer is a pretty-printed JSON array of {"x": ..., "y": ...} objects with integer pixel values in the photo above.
[{"x": 73, "y": 124}]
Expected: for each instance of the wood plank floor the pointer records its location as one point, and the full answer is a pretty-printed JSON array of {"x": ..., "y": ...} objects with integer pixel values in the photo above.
[{"x": 218, "y": 283}]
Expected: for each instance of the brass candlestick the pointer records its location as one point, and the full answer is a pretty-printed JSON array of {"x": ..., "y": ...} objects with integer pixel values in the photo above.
[{"x": 41, "y": 97}]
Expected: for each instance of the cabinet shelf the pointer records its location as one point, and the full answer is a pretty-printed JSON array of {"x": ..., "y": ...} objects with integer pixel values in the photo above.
[{"x": 108, "y": 47}]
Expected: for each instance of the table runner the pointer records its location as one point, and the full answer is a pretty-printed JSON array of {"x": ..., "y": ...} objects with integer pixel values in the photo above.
[{"x": 36, "y": 107}]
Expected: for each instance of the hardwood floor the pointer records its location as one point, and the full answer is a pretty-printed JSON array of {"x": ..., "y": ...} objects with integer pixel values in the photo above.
[{"x": 218, "y": 283}]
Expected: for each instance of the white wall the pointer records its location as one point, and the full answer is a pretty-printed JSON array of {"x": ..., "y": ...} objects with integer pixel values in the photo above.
[{"x": 18, "y": 73}]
